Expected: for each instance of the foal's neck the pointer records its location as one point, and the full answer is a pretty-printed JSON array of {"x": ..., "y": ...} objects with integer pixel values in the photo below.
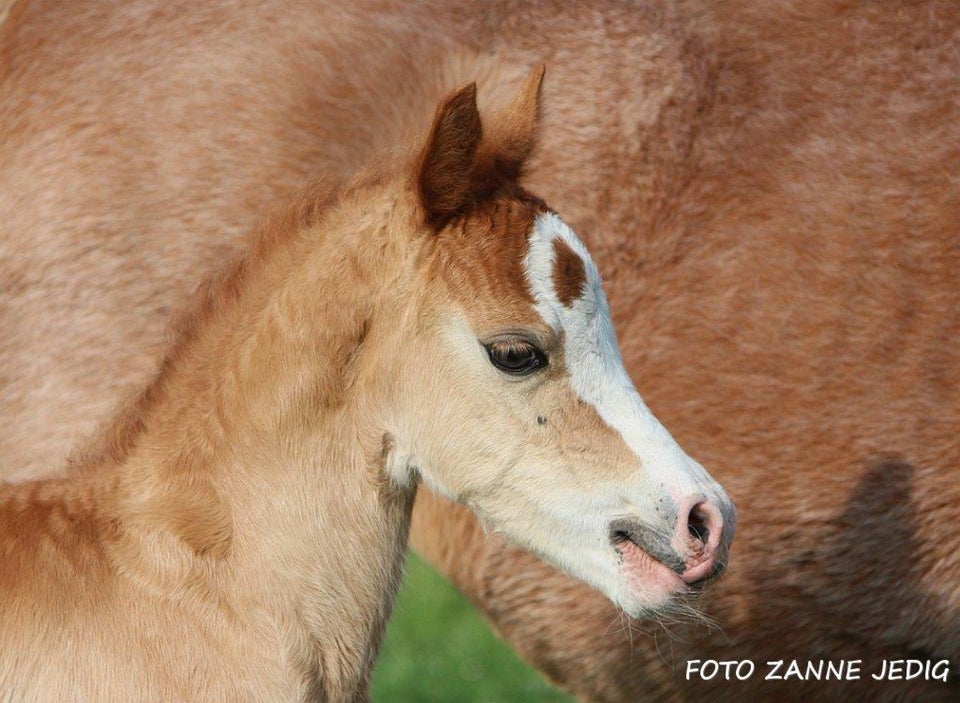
[{"x": 256, "y": 458}]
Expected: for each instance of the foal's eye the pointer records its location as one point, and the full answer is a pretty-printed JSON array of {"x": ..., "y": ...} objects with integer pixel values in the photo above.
[{"x": 516, "y": 356}]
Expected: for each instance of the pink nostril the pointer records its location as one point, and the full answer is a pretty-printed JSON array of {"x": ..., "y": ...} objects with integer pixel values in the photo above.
[
  {"x": 704, "y": 525},
  {"x": 700, "y": 528}
]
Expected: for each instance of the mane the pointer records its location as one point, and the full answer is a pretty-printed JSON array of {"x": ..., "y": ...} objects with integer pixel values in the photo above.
[{"x": 113, "y": 441}]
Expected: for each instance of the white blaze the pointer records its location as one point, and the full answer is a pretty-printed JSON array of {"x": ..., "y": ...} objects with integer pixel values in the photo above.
[{"x": 596, "y": 368}]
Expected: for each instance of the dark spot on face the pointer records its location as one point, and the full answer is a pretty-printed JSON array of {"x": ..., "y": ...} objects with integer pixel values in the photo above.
[
  {"x": 569, "y": 274},
  {"x": 541, "y": 420}
]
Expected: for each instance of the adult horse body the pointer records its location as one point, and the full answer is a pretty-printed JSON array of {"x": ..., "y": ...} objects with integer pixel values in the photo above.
[{"x": 771, "y": 191}]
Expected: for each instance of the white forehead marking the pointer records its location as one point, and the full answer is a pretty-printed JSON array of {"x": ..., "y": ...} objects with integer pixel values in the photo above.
[{"x": 593, "y": 357}]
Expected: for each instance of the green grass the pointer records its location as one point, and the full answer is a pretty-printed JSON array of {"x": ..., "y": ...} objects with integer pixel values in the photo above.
[{"x": 438, "y": 648}]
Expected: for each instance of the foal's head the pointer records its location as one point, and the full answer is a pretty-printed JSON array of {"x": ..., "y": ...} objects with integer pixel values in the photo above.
[{"x": 509, "y": 391}]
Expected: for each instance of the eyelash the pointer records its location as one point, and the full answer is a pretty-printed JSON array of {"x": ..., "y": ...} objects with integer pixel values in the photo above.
[{"x": 517, "y": 357}]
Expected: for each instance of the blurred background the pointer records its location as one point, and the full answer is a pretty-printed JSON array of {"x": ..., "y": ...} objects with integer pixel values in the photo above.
[{"x": 438, "y": 648}]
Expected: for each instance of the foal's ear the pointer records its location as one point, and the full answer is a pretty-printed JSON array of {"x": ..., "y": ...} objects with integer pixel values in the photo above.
[
  {"x": 446, "y": 179},
  {"x": 513, "y": 134},
  {"x": 459, "y": 165}
]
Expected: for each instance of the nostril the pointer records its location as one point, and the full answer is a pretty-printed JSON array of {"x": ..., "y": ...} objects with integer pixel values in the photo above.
[
  {"x": 697, "y": 524},
  {"x": 703, "y": 553}
]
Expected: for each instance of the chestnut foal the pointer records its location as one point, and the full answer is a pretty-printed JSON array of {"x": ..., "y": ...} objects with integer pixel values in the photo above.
[{"x": 238, "y": 532}]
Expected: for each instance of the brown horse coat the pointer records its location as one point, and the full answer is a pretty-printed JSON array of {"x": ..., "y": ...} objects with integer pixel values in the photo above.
[{"x": 776, "y": 216}]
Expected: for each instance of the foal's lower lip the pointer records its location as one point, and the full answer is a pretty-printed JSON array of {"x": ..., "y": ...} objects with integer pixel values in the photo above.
[
  {"x": 634, "y": 539},
  {"x": 618, "y": 539}
]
